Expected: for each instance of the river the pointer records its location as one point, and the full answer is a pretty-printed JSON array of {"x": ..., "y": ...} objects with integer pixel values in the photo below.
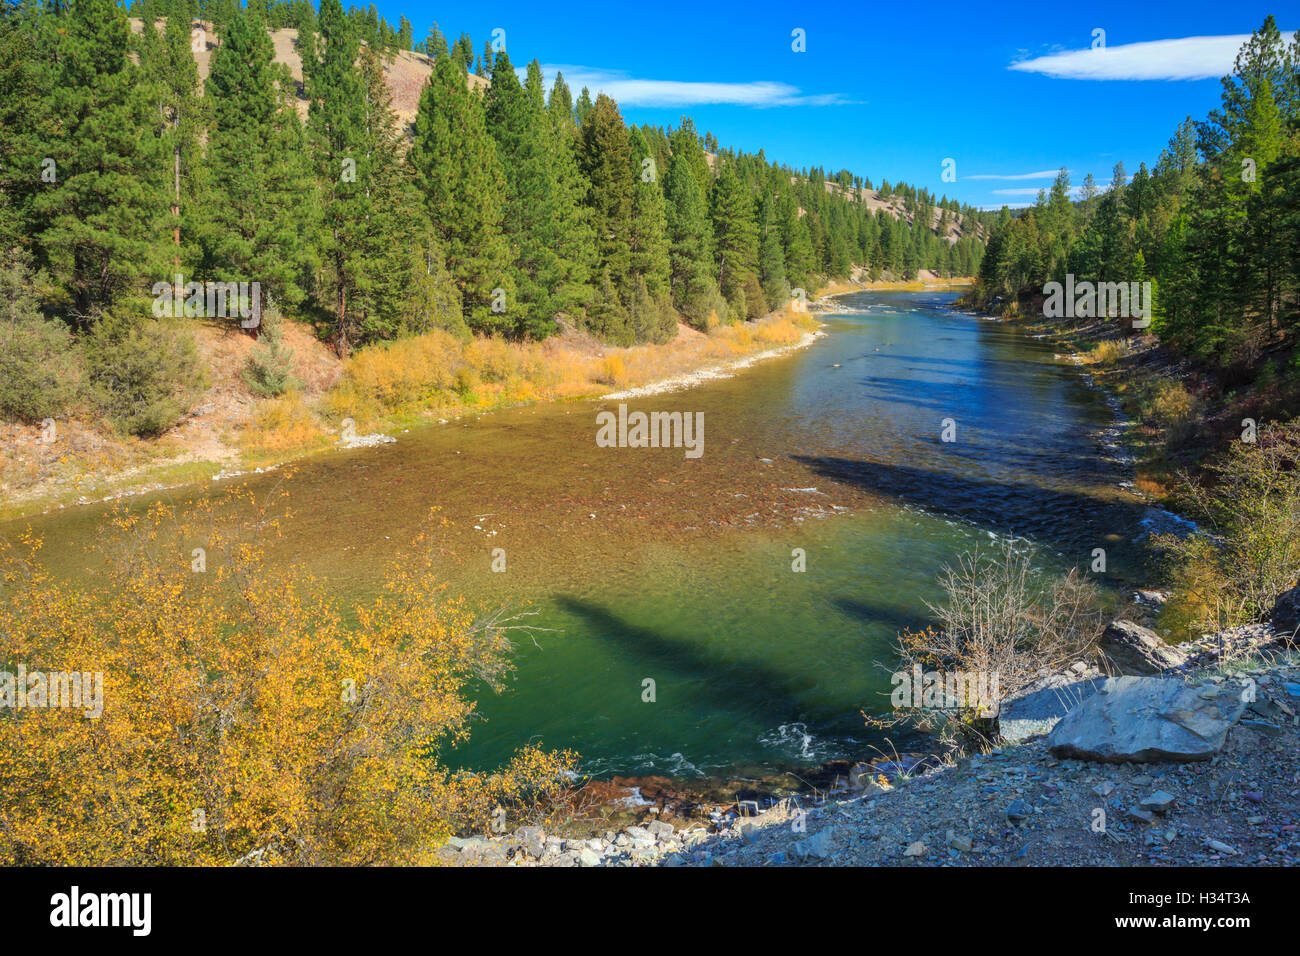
[{"x": 647, "y": 564}]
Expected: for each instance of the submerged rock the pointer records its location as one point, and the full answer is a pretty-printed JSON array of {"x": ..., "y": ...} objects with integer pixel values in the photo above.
[
  {"x": 366, "y": 441},
  {"x": 1146, "y": 719}
]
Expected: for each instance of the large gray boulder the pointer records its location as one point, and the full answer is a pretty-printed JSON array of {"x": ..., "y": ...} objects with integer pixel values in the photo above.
[
  {"x": 1148, "y": 719},
  {"x": 1139, "y": 650},
  {"x": 1041, "y": 706},
  {"x": 1285, "y": 616}
]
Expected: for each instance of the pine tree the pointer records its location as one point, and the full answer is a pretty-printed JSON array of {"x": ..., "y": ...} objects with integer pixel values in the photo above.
[
  {"x": 648, "y": 239},
  {"x": 798, "y": 247},
  {"x": 685, "y": 142},
  {"x": 568, "y": 223},
  {"x": 462, "y": 51},
  {"x": 771, "y": 257},
  {"x": 262, "y": 206},
  {"x": 335, "y": 128},
  {"x": 183, "y": 119},
  {"x": 735, "y": 239},
  {"x": 394, "y": 284},
  {"x": 269, "y": 370},
  {"x": 458, "y": 173},
  {"x": 560, "y": 105},
  {"x": 100, "y": 212},
  {"x": 606, "y": 162},
  {"x": 689, "y": 236},
  {"x": 540, "y": 215},
  {"x": 28, "y": 63},
  {"x": 582, "y": 107}
]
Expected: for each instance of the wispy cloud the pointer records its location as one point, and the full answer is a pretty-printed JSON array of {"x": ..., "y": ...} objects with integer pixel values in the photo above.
[
  {"x": 1187, "y": 58},
  {"x": 1034, "y": 191},
  {"x": 1041, "y": 174},
  {"x": 632, "y": 91}
]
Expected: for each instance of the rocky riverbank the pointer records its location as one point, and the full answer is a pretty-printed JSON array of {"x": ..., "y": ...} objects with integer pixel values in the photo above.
[{"x": 1192, "y": 757}]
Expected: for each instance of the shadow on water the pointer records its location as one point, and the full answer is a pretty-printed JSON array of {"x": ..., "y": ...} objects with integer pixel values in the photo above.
[
  {"x": 878, "y": 614},
  {"x": 748, "y": 688},
  {"x": 1071, "y": 522}
]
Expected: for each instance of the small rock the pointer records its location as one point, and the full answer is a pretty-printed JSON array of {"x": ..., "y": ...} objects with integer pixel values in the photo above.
[
  {"x": 1141, "y": 816},
  {"x": 816, "y": 847},
  {"x": 532, "y": 840},
  {"x": 1104, "y": 789},
  {"x": 1019, "y": 810},
  {"x": 916, "y": 849},
  {"x": 1160, "y": 801},
  {"x": 1220, "y": 847}
]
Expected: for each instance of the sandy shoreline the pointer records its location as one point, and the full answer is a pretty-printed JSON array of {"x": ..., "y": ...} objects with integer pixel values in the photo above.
[
  {"x": 713, "y": 373},
  {"x": 151, "y": 479}
]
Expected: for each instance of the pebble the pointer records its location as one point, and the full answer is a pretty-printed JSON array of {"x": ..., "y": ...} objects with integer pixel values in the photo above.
[
  {"x": 1019, "y": 810},
  {"x": 1159, "y": 801}
]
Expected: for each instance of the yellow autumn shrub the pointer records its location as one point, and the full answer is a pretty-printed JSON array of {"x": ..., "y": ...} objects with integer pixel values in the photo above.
[{"x": 247, "y": 715}]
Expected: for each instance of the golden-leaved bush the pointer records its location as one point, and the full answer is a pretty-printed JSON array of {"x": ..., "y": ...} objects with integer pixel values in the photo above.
[{"x": 247, "y": 714}]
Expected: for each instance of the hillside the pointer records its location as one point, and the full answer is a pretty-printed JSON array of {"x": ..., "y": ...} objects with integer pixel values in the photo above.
[{"x": 405, "y": 72}]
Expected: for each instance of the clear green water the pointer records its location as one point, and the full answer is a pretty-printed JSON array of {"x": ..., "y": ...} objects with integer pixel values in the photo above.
[{"x": 684, "y": 574}]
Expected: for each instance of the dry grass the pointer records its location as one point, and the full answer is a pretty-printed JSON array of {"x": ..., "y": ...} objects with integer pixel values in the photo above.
[
  {"x": 1105, "y": 353},
  {"x": 283, "y": 424},
  {"x": 438, "y": 375},
  {"x": 398, "y": 383},
  {"x": 1171, "y": 407}
]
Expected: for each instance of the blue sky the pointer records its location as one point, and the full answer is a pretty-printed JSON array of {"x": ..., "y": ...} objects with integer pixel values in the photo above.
[{"x": 890, "y": 91}]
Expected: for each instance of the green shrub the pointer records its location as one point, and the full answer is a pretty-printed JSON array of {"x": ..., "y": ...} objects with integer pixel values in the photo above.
[
  {"x": 710, "y": 311},
  {"x": 40, "y": 369},
  {"x": 40, "y": 365},
  {"x": 143, "y": 372},
  {"x": 1248, "y": 551},
  {"x": 269, "y": 372}
]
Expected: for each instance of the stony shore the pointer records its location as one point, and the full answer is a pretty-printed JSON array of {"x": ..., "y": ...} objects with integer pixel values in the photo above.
[{"x": 1219, "y": 786}]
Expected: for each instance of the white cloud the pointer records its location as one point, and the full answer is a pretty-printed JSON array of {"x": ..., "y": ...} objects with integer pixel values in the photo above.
[
  {"x": 1188, "y": 58},
  {"x": 1074, "y": 190},
  {"x": 1041, "y": 174},
  {"x": 630, "y": 91}
]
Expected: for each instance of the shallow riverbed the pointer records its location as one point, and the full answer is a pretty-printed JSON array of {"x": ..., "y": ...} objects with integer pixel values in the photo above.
[{"x": 646, "y": 564}]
